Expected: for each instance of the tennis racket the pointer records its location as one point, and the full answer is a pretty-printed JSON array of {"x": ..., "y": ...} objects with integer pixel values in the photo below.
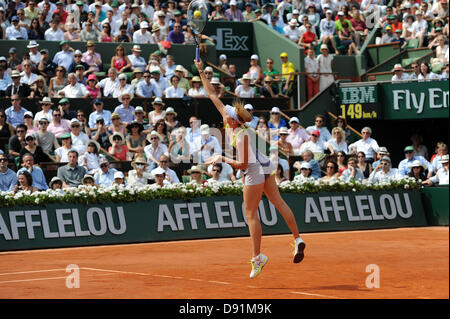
[{"x": 197, "y": 16}]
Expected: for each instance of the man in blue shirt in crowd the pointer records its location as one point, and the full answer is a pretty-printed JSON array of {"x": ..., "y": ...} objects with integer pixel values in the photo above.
[
  {"x": 404, "y": 167},
  {"x": 8, "y": 178},
  {"x": 35, "y": 171},
  {"x": 15, "y": 113}
]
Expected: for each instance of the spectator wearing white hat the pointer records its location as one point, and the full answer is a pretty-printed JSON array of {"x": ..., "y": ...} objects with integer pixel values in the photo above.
[
  {"x": 441, "y": 177},
  {"x": 327, "y": 30},
  {"x": 254, "y": 122},
  {"x": 297, "y": 135},
  {"x": 325, "y": 61},
  {"x": 417, "y": 171},
  {"x": 79, "y": 138},
  {"x": 209, "y": 146},
  {"x": 305, "y": 175},
  {"x": 138, "y": 176},
  {"x": 160, "y": 178},
  {"x": 244, "y": 90},
  {"x": 125, "y": 110},
  {"x": 197, "y": 89},
  {"x": 275, "y": 122},
  {"x": 119, "y": 179},
  {"x": 163, "y": 164},
  {"x": 291, "y": 31},
  {"x": 137, "y": 61},
  {"x": 31, "y": 128},
  {"x": 158, "y": 113},
  {"x": 46, "y": 111},
  {"x": 143, "y": 35},
  {"x": 35, "y": 55},
  {"x": 154, "y": 150},
  {"x": 399, "y": 74},
  {"x": 233, "y": 13},
  {"x": 104, "y": 176},
  {"x": 181, "y": 72}
]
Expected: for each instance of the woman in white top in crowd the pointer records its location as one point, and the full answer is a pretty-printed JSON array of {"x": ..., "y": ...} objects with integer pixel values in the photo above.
[
  {"x": 139, "y": 175},
  {"x": 174, "y": 91},
  {"x": 255, "y": 70},
  {"x": 197, "y": 89},
  {"x": 244, "y": 90},
  {"x": 62, "y": 152},
  {"x": 408, "y": 29},
  {"x": 158, "y": 112},
  {"x": 123, "y": 87},
  {"x": 325, "y": 66},
  {"x": 426, "y": 74},
  {"x": 337, "y": 142},
  {"x": 91, "y": 158}
]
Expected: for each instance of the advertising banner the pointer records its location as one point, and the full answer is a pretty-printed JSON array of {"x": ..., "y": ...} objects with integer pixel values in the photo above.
[
  {"x": 415, "y": 100},
  {"x": 232, "y": 38},
  {"x": 359, "y": 102},
  {"x": 59, "y": 225}
]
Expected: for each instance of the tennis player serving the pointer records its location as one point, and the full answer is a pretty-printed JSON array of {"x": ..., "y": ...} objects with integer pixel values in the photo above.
[{"x": 258, "y": 173}]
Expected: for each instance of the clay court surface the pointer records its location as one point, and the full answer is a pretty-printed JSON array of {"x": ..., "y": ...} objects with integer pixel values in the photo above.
[{"x": 412, "y": 263}]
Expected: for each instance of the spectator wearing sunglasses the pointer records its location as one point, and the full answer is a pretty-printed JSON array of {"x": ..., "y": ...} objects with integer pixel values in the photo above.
[{"x": 384, "y": 172}]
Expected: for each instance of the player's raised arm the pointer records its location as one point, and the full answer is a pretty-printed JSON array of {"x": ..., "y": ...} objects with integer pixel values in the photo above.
[{"x": 209, "y": 89}]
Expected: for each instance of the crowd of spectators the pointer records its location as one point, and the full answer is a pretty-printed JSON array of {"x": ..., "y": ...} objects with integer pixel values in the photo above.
[
  {"x": 159, "y": 147},
  {"x": 155, "y": 141}
]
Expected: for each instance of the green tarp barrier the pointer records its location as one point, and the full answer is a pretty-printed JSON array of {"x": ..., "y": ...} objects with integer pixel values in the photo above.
[{"x": 65, "y": 225}]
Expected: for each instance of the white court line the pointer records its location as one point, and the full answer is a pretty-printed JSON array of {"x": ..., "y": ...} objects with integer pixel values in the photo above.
[
  {"x": 117, "y": 271},
  {"x": 30, "y": 272},
  {"x": 316, "y": 295},
  {"x": 177, "y": 242},
  {"x": 219, "y": 282},
  {"x": 48, "y": 278}
]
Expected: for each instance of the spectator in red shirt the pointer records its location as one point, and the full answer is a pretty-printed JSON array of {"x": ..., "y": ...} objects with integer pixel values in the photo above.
[
  {"x": 360, "y": 27},
  {"x": 395, "y": 24},
  {"x": 60, "y": 10}
]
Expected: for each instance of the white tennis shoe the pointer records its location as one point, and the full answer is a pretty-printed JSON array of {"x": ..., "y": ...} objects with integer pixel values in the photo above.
[
  {"x": 298, "y": 250},
  {"x": 258, "y": 264}
]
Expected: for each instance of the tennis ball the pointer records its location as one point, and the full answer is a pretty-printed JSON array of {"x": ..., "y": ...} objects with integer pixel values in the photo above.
[{"x": 197, "y": 14}]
